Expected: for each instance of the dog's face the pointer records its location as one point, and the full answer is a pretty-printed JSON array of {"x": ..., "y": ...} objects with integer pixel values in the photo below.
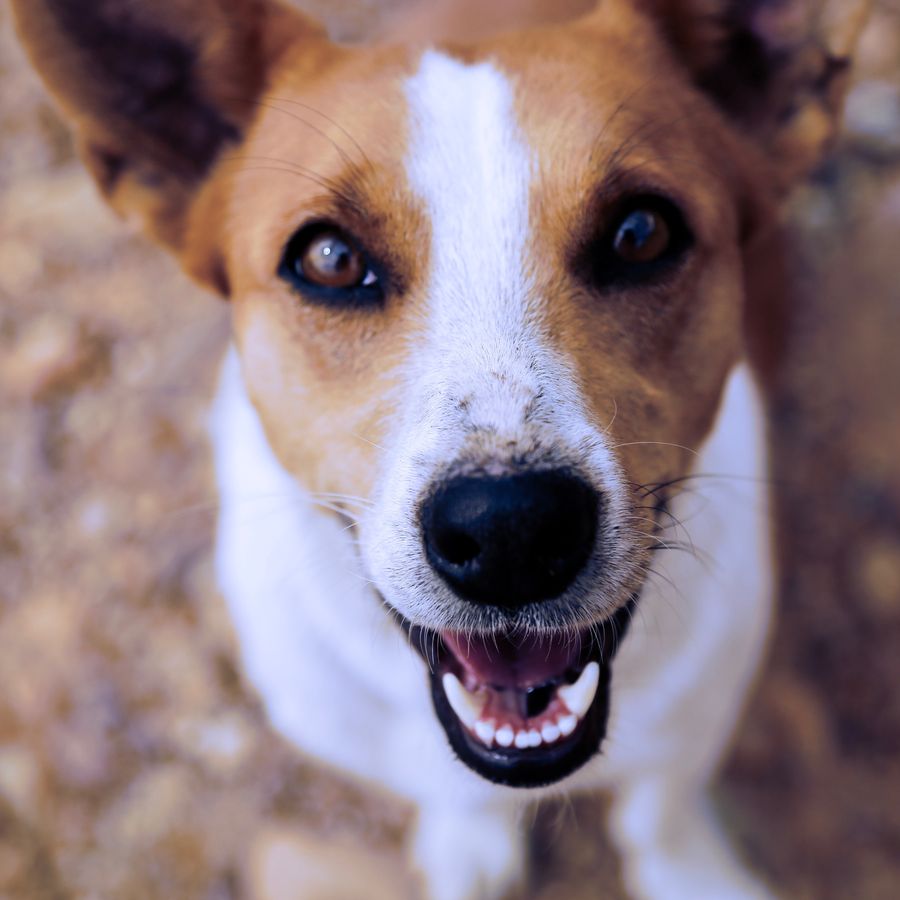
[
  {"x": 486, "y": 297},
  {"x": 500, "y": 321}
]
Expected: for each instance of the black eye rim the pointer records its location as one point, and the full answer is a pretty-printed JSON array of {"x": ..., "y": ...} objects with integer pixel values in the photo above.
[
  {"x": 600, "y": 266},
  {"x": 354, "y": 297}
]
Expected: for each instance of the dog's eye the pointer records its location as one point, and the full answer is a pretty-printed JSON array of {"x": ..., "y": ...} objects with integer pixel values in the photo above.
[
  {"x": 647, "y": 237},
  {"x": 642, "y": 237},
  {"x": 328, "y": 260},
  {"x": 328, "y": 266}
]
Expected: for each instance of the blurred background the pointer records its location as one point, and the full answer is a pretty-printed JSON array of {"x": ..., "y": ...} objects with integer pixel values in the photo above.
[{"x": 133, "y": 763}]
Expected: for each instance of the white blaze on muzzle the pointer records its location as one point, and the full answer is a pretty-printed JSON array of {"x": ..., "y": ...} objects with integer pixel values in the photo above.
[{"x": 484, "y": 388}]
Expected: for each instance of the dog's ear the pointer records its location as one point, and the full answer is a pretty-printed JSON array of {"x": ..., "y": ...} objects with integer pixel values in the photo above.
[
  {"x": 779, "y": 68},
  {"x": 155, "y": 89}
]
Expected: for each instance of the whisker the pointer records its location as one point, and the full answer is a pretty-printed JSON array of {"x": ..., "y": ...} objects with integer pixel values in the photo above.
[
  {"x": 656, "y": 443},
  {"x": 367, "y": 441},
  {"x": 291, "y": 168},
  {"x": 347, "y": 498},
  {"x": 693, "y": 476},
  {"x": 613, "y": 419},
  {"x": 331, "y": 121},
  {"x": 341, "y": 152},
  {"x": 269, "y": 101}
]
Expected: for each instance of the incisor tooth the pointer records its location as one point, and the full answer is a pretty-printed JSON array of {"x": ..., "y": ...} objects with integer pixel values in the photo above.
[
  {"x": 522, "y": 740},
  {"x": 550, "y": 732},
  {"x": 504, "y": 736},
  {"x": 485, "y": 731},
  {"x": 579, "y": 696},
  {"x": 534, "y": 738},
  {"x": 466, "y": 707}
]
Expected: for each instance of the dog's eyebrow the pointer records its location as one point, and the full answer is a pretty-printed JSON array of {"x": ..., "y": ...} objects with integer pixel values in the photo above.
[
  {"x": 352, "y": 203},
  {"x": 628, "y": 180},
  {"x": 349, "y": 193}
]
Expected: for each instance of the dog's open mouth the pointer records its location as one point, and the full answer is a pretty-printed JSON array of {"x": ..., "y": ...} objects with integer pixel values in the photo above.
[{"x": 523, "y": 710}]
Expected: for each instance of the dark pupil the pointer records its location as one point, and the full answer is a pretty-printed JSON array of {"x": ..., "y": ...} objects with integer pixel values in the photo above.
[
  {"x": 330, "y": 257},
  {"x": 636, "y": 232}
]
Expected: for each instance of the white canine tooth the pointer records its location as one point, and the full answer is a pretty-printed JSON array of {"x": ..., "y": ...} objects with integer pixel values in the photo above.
[
  {"x": 504, "y": 736},
  {"x": 550, "y": 732},
  {"x": 466, "y": 707},
  {"x": 579, "y": 696},
  {"x": 485, "y": 731},
  {"x": 522, "y": 740},
  {"x": 534, "y": 738},
  {"x": 566, "y": 725}
]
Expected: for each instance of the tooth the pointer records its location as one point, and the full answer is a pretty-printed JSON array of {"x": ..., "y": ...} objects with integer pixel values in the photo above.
[
  {"x": 522, "y": 740},
  {"x": 534, "y": 738},
  {"x": 504, "y": 736},
  {"x": 550, "y": 733},
  {"x": 579, "y": 696},
  {"x": 485, "y": 731},
  {"x": 566, "y": 725},
  {"x": 466, "y": 707}
]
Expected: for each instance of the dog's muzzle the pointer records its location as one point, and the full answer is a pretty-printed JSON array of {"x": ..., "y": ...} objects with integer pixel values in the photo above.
[{"x": 522, "y": 706}]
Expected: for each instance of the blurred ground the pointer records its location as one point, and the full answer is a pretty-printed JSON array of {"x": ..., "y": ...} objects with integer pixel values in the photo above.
[{"x": 132, "y": 761}]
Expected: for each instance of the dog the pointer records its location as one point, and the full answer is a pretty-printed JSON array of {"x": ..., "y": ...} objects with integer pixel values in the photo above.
[{"x": 490, "y": 440}]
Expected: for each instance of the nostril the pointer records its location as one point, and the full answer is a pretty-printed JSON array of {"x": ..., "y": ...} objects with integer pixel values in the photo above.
[{"x": 456, "y": 547}]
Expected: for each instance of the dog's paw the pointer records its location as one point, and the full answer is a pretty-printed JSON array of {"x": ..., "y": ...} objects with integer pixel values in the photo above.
[{"x": 468, "y": 854}]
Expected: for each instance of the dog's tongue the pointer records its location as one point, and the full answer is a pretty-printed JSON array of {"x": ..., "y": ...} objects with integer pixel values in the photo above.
[{"x": 514, "y": 662}]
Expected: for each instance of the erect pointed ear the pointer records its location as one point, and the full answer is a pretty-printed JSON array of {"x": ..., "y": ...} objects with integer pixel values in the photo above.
[
  {"x": 779, "y": 68},
  {"x": 155, "y": 89}
]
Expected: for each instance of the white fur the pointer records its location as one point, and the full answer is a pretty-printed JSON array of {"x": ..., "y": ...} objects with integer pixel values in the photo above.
[
  {"x": 335, "y": 672},
  {"x": 485, "y": 385},
  {"x": 682, "y": 673}
]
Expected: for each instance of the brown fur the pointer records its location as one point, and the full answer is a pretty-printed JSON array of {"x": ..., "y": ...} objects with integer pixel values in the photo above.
[{"x": 246, "y": 132}]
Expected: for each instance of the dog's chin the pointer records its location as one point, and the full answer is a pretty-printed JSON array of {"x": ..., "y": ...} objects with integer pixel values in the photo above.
[{"x": 527, "y": 710}]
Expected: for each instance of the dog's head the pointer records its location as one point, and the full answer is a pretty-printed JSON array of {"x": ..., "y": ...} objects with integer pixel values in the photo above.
[{"x": 486, "y": 294}]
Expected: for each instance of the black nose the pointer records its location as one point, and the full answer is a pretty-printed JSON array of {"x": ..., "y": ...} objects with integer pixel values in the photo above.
[{"x": 512, "y": 539}]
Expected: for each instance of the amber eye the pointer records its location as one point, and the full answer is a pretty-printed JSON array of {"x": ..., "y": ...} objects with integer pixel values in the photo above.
[
  {"x": 642, "y": 237},
  {"x": 641, "y": 242},
  {"x": 332, "y": 262},
  {"x": 327, "y": 265}
]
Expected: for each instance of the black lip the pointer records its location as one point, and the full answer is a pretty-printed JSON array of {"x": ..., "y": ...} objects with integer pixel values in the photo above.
[{"x": 534, "y": 767}]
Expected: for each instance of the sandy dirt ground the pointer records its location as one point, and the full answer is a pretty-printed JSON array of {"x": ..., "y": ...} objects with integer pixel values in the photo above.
[{"x": 133, "y": 761}]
